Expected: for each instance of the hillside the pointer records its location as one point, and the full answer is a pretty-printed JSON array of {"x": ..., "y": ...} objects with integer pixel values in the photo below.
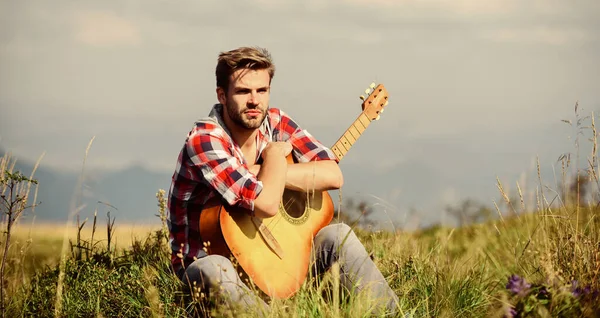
[{"x": 129, "y": 193}]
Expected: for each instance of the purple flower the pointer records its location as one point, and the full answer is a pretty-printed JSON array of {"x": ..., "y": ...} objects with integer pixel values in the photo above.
[
  {"x": 543, "y": 293},
  {"x": 517, "y": 284},
  {"x": 578, "y": 291}
]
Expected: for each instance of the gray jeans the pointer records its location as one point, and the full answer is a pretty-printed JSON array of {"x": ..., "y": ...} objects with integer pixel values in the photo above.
[{"x": 214, "y": 274}]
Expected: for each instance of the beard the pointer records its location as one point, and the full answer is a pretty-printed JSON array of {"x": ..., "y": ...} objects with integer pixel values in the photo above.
[{"x": 241, "y": 121}]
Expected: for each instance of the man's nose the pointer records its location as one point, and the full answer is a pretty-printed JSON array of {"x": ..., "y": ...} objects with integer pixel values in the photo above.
[{"x": 253, "y": 98}]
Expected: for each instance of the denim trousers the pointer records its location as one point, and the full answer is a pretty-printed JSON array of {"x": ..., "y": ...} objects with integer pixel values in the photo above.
[{"x": 215, "y": 275}]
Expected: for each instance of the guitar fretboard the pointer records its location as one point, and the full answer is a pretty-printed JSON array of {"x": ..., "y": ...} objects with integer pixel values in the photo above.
[{"x": 341, "y": 147}]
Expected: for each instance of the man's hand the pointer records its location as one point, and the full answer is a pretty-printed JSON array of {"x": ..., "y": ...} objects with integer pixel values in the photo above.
[{"x": 277, "y": 148}]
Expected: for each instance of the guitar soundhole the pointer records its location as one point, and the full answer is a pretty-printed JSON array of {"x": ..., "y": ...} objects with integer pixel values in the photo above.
[{"x": 294, "y": 203}]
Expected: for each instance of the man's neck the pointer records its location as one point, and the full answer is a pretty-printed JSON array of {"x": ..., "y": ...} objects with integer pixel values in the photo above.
[{"x": 244, "y": 138}]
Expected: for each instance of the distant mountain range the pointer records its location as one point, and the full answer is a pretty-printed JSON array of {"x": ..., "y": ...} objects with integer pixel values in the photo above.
[{"x": 129, "y": 194}]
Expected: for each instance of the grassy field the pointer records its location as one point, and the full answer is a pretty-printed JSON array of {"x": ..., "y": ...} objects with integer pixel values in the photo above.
[
  {"x": 39, "y": 246},
  {"x": 438, "y": 272},
  {"x": 541, "y": 261}
]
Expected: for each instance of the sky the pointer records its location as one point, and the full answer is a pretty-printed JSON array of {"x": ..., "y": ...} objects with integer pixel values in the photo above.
[{"x": 477, "y": 89}]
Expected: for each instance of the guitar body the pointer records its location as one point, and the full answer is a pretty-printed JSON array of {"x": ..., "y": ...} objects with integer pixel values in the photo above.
[
  {"x": 274, "y": 253},
  {"x": 232, "y": 232}
]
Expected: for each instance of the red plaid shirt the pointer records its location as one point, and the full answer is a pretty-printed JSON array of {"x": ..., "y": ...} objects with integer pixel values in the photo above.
[{"x": 211, "y": 164}]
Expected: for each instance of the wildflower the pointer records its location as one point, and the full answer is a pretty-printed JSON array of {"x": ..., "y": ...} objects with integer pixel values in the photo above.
[
  {"x": 517, "y": 285},
  {"x": 578, "y": 291},
  {"x": 511, "y": 312}
]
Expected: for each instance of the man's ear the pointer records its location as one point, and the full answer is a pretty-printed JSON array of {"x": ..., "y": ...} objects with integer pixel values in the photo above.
[{"x": 221, "y": 96}]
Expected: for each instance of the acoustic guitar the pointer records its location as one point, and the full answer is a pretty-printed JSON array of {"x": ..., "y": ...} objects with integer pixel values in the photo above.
[{"x": 274, "y": 253}]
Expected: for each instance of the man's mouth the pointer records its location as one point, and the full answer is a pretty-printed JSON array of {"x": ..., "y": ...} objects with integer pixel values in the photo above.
[{"x": 253, "y": 112}]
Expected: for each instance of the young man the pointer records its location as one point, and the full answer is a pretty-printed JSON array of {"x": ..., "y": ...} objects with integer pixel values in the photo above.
[{"x": 238, "y": 153}]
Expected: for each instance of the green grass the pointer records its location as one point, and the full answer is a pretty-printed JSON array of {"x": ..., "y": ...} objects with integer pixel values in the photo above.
[
  {"x": 440, "y": 272},
  {"x": 127, "y": 285}
]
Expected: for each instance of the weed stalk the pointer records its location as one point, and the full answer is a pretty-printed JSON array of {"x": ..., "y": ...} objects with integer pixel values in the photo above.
[{"x": 14, "y": 202}]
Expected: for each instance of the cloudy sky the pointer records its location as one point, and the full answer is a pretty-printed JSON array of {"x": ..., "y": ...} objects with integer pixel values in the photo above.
[{"x": 477, "y": 88}]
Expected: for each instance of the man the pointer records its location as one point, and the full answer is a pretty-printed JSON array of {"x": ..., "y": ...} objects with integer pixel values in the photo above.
[{"x": 238, "y": 153}]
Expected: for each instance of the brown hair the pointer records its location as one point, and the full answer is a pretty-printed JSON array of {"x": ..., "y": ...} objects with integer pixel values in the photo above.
[{"x": 254, "y": 58}]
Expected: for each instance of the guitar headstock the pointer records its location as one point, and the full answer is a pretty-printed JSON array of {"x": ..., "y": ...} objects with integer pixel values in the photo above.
[{"x": 374, "y": 104}]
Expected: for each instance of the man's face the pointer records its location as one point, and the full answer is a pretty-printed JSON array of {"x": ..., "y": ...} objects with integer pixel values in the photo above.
[{"x": 247, "y": 98}]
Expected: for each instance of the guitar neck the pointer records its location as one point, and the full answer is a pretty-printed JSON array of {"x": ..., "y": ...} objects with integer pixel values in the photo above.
[{"x": 341, "y": 147}]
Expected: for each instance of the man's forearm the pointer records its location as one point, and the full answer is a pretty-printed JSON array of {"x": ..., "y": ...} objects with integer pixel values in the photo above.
[
  {"x": 267, "y": 203},
  {"x": 308, "y": 176}
]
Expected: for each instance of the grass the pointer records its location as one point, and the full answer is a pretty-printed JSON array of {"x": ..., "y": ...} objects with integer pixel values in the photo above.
[
  {"x": 441, "y": 272},
  {"x": 543, "y": 261}
]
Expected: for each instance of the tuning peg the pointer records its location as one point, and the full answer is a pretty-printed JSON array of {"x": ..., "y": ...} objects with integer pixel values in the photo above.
[
  {"x": 367, "y": 91},
  {"x": 372, "y": 85},
  {"x": 381, "y": 111},
  {"x": 386, "y": 102},
  {"x": 377, "y": 118},
  {"x": 362, "y": 97}
]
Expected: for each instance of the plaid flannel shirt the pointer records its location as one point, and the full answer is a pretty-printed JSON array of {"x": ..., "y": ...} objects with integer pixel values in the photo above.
[{"x": 211, "y": 164}]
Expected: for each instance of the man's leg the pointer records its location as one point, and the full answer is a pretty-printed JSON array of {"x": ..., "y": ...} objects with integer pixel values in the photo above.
[
  {"x": 216, "y": 277},
  {"x": 338, "y": 243}
]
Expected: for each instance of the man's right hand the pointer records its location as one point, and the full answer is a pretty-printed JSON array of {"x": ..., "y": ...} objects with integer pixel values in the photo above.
[{"x": 277, "y": 148}]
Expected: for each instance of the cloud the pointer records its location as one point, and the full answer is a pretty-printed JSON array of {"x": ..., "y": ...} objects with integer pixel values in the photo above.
[
  {"x": 487, "y": 8},
  {"x": 537, "y": 34},
  {"x": 466, "y": 7},
  {"x": 105, "y": 29}
]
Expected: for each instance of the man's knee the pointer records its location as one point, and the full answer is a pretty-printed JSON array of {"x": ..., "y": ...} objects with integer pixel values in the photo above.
[
  {"x": 211, "y": 270},
  {"x": 335, "y": 235}
]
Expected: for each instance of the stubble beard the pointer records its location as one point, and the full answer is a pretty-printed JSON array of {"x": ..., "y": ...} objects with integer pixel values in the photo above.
[{"x": 238, "y": 119}]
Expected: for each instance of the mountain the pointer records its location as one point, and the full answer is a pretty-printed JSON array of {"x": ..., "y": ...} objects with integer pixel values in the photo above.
[
  {"x": 129, "y": 193},
  {"x": 409, "y": 195},
  {"x": 132, "y": 191}
]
